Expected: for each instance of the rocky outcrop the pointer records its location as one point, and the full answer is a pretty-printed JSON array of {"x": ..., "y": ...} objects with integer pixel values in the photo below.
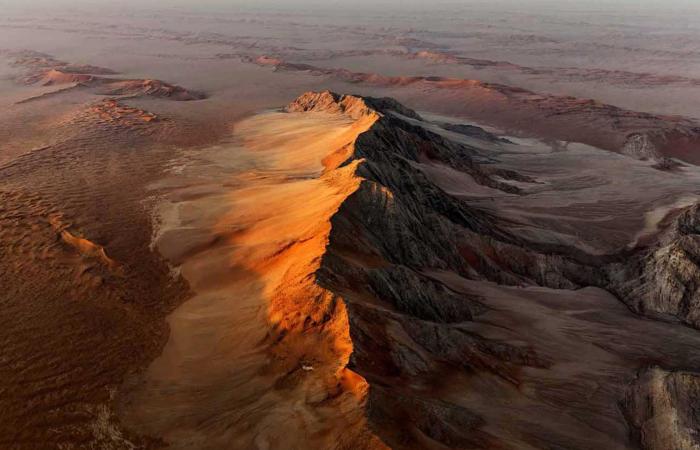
[
  {"x": 661, "y": 407},
  {"x": 395, "y": 142},
  {"x": 353, "y": 106},
  {"x": 664, "y": 280}
]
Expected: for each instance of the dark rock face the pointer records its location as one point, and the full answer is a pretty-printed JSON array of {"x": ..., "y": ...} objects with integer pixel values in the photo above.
[
  {"x": 388, "y": 236},
  {"x": 441, "y": 422},
  {"x": 662, "y": 409},
  {"x": 399, "y": 238},
  {"x": 420, "y": 297},
  {"x": 665, "y": 279}
]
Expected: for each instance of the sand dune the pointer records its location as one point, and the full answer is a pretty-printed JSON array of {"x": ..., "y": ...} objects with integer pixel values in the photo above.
[
  {"x": 84, "y": 296},
  {"x": 270, "y": 370},
  {"x": 39, "y": 64},
  {"x": 44, "y": 70}
]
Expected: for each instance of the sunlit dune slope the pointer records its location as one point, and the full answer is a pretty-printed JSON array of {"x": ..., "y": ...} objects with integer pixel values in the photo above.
[{"x": 273, "y": 358}]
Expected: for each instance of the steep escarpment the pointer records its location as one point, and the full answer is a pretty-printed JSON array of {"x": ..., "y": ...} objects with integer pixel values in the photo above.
[
  {"x": 406, "y": 218},
  {"x": 399, "y": 215},
  {"x": 664, "y": 280}
]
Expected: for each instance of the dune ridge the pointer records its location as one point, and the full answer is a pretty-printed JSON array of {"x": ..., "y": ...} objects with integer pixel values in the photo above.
[
  {"x": 443, "y": 56},
  {"x": 45, "y": 70},
  {"x": 277, "y": 342},
  {"x": 486, "y": 267}
]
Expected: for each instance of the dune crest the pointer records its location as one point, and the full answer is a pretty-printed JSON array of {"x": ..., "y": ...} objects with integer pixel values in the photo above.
[
  {"x": 45, "y": 70},
  {"x": 253, "y": 262},
  {"x": 330, "y": 287}
]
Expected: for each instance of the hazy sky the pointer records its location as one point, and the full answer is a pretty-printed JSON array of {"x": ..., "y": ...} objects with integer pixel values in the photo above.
[{"x": 543, "y": 5}]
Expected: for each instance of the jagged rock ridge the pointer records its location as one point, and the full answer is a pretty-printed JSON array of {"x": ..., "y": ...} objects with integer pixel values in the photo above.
[{"x": 390, "y": 240}]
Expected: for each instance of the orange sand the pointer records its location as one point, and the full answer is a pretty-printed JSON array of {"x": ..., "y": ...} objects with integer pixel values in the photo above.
[{"x": 256, "y": 359}]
